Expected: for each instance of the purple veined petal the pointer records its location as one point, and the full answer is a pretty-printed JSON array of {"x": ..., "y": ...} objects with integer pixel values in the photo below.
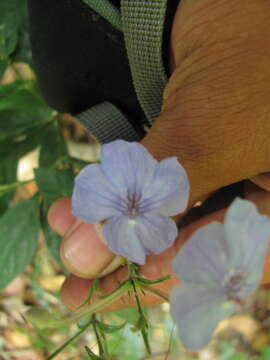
[
  {"x": 197, "y": 310},
  {"x": 93, "y": 198},
  {"x": 168, "y": 191},
  {"x": 127, "y": 165},
  {"x": 155, "y": 232},
  {"x": 247, "y": 235},
  {"x": 202, "y": 259},
  {"x": 121, "y": 237}
]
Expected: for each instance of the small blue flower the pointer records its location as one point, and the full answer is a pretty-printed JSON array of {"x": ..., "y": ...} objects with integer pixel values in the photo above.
[
  {"x": 220, "y": 266},
  {"x": 136, "y": 194}
]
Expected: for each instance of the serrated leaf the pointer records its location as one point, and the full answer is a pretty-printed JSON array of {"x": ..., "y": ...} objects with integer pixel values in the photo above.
[
  {"x": 54, "y": 184},
  {"x": 18, "y": 239}
]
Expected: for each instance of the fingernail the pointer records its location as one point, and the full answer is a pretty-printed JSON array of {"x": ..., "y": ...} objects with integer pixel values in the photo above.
[{"x": 84, "y": 252}]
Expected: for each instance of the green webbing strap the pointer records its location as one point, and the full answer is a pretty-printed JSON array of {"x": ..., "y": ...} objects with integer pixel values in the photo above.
[
  {"x": 107, "y": 123},
  {"x": 142, "y": 24},
  {"x": 107, "y": 10}
]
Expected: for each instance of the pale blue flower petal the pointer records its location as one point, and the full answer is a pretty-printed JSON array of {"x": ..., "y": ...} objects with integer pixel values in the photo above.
[
  {"x": 247, "y": 236},
  {"x": 202, "y": 258},
  {"x": 93, "y": 198},
  {"x": 197, "y": 310},
  {"x": 127, "y": 165},
  {"x": 168, "y": 191},
  {"x": 121, "y": 236},
  {"x": 155, "y": 232}
]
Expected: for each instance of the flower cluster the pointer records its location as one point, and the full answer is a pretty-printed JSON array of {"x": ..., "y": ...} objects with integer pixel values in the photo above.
[
  {"x": 220, "y": 266},
  {"x": 136, "y": 194}
]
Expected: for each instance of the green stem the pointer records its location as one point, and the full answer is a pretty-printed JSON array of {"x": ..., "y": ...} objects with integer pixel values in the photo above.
[
  {"x": 100, "y": 340},
  {"x": 144, "y": 327},
  {"x": 92, "y": 309},
  {"x": 9, "y": 187},
  {"x": 156, "y": 292},
  {"x": 62, "y": 347}
]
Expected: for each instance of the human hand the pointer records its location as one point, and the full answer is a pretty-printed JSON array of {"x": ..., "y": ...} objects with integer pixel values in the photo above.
[
  {"x": 84, "y": 254},
  {"x": 214, "y": 119},
  {"x": 216, "y": 104}
]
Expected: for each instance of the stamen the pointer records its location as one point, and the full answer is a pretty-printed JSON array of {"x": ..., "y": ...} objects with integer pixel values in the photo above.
[
  {"x": 133, "y": 200},
  {"x": 235, "y": 284}
]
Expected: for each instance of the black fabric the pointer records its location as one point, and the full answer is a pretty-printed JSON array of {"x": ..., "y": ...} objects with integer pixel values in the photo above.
[
  {"x": 116, "y": 3},
  {"x": 171, "y": 10},
  {"x": 80, "y": 59}
]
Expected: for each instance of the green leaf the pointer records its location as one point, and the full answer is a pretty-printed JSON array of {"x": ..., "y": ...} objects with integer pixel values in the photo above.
[
  {"x": 10, "y": 153},
  {"x": 53, "y": 146},
  {"x": 23, "y": 51},
  {"x": 52, "y": 239},
  {"x": 54, "y": 184},
  {"x": 12, "y": 13},
  {"x": 19, "y": 234},
  {"x": 8, "y": 89},
  {"x": 21, "y": 109},
  {"x": 3, "y": 66}
]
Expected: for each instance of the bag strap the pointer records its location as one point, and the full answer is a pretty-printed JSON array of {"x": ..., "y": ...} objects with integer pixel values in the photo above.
[
  {"x": 142, "y": 24},
  {"x": 107, "y": 10},
  {"x": 107, "y": 123}
]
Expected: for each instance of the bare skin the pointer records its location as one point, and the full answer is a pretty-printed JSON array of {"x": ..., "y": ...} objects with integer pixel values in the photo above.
[{"x": 214, "y": 118}]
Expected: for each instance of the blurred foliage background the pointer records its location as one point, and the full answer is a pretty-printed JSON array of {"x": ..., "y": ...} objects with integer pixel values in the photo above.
[{"x": 40, "y": 153}]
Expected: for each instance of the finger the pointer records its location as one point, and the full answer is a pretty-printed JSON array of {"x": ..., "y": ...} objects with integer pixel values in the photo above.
[
  {"x": 60, "y": 217},
  {"x": 75, "y": 290},
  {"x": 262, "y": 180},
  {"x": 83, "y": 250}
]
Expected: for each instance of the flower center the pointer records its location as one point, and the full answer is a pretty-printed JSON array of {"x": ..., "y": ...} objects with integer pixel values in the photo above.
[
  {"x": 235, "y": 283},
  {"x": 133, "y": 204}
]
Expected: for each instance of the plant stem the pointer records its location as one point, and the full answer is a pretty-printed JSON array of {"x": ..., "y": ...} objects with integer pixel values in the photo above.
[
  {"x": 156, "y": 292},
  {"x": 92, "y": 309},
  {"x": 141, "y": 313},
  {"x": 62, "y": 347}
]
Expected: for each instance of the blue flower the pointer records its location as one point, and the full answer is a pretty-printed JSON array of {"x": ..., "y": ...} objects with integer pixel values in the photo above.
[
  {"x": 220, "y": 266},
  {"x": 136, "y": 194}
]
